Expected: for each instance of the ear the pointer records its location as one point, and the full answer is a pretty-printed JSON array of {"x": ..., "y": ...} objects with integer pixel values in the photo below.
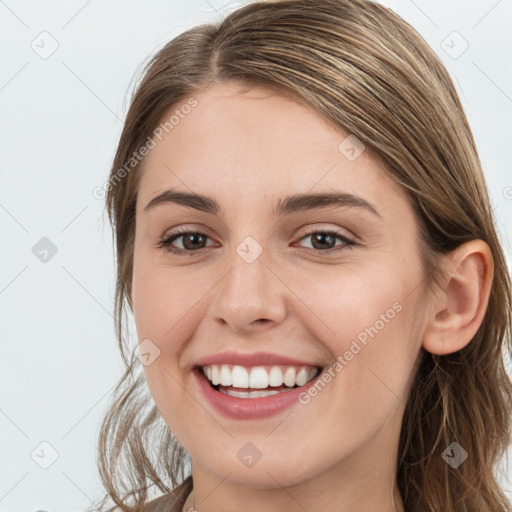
[{"x": 458, "y": 309}]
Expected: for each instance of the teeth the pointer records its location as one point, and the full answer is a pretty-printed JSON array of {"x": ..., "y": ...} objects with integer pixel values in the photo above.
[
  {"x": 240, "y": 376},
  {"x": 275, "y": 377},
  {"x": 249, "y": 394},
  {"x": 302, "y": 377},
  {"x": 225, "y": 376},
  {"x": 258, "y": 377},
  {"x": 289, "y": 377},
  {"x": 215, "y": 378}
]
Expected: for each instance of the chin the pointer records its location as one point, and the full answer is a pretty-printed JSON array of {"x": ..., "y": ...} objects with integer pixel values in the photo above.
[{"x": 266, "y": 473}]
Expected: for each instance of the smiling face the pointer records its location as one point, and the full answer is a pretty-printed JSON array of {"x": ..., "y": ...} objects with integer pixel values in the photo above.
[{"x": 262, "y": 276}]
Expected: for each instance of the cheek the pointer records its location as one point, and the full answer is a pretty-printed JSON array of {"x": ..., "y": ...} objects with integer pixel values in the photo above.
[
  {"x": 344, "y": 302},
  {"x": 167, "y": 309},
  {"x": 368, "y": 324},
  {"x": 163, "y": 314},
  {"x": 166, "y": 302}
]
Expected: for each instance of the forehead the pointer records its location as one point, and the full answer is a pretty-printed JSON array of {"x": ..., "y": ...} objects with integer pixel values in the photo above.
[
  {"x": 256, "y": 141},
  {"x": 233, "y": 114}
]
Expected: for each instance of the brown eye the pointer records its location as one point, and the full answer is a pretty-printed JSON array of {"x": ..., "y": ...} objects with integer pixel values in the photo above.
[
  {"x": 191, "y": 241},
  {"x": 322, "y": 241},
  {"x": 325, "y": 241}
]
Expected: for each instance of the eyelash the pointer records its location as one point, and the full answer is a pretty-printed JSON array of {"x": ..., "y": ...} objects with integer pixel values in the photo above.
[{"x": 165, "y": 243}]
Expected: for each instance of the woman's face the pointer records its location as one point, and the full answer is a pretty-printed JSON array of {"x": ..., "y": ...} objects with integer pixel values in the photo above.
[{"x": 261, "y": 293}]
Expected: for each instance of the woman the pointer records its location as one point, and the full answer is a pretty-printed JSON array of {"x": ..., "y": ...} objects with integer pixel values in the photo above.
[{"x": 306, "y": 243}]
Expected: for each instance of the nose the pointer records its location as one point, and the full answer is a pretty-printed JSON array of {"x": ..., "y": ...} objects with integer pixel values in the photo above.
[{"x": 250, "y": 296}]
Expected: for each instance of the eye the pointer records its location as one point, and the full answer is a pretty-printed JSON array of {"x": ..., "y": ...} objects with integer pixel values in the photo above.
[
  {"x": 194, "y": 241},
  {"x": 327, "y": 237}
]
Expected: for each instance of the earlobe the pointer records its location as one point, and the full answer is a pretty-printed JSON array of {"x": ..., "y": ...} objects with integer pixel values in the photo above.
[{"x": 458, "y": 308}]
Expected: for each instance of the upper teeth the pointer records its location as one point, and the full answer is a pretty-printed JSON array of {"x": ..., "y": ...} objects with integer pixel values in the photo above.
[{"x": 258, "y": 376}]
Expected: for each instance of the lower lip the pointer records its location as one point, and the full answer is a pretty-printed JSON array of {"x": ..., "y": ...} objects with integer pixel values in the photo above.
[{"x": 250, "y": 408}]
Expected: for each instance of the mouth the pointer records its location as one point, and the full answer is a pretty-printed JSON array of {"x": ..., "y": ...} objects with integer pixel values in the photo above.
[{"x": 256, "y": 381}]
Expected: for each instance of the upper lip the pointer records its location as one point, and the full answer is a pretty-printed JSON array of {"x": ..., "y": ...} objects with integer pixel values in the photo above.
[{"x": 252, "y": 359}]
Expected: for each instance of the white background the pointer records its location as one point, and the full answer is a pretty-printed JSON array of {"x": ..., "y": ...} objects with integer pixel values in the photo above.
[{"x": 60, "y": 120}]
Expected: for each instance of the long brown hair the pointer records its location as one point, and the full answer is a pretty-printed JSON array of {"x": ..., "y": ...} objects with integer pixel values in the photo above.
[{"x": 362, "y": 67}]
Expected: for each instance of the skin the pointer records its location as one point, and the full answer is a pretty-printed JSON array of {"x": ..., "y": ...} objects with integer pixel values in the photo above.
[{"x": 246, "y": 148}]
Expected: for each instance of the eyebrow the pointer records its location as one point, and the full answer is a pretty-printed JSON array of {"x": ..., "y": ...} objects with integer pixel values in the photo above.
[{"x": 290, "y": 204}]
